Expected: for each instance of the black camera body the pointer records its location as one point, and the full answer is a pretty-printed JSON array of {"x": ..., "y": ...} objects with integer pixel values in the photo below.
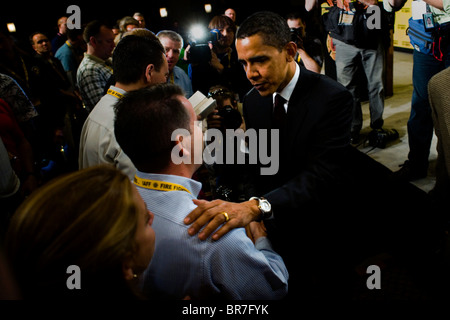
[
  {"x": 296, "y": 35},
  {"x": 200, "y": 50},
  {"x": 232, "y": 118}
]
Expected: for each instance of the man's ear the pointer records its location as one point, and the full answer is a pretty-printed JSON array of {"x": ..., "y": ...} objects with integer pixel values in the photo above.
[
  {"x": 92, "y": 41},
  {"x": 180, "y": 152},
  {"x": 291, "y": 50},
  {"x": 149, "y": 72}
]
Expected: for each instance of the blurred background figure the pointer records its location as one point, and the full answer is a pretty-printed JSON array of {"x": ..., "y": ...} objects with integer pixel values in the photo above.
[
  {"x": 309, "y": 49},
  {"x": 173, "y": 43},
  {"x": 139, "y": 17},
  {"x": 61, "y": 36},
  {"x": 230, "y": 13}
]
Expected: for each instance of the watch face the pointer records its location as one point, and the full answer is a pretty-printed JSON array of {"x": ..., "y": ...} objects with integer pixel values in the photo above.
[{"x": 265, "y": 206}]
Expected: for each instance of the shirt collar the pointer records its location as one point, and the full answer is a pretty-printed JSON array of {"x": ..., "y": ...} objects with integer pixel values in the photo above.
[
  {"x": 287, "y": 91},
  {"x": 96, "y": 59},
  {"x": 117, "y": 89},
  {"x": 193, "y": 186}
]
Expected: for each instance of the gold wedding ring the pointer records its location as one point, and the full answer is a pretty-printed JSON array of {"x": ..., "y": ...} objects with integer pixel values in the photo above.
[{"x": 226, "y": 216}]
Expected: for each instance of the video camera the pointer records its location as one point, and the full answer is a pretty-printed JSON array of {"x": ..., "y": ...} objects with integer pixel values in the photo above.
[{"x": 199, "y": 40}]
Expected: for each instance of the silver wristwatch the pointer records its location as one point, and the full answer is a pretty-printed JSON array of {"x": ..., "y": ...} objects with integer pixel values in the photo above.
[{"x": 264, "y": 206}]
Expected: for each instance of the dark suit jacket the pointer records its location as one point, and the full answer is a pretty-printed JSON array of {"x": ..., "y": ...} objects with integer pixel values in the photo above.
[{"x": 316, "y": 141}]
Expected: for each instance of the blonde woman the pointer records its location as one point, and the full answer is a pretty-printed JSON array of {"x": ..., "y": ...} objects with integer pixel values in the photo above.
[{"x": 87, "y": 235}]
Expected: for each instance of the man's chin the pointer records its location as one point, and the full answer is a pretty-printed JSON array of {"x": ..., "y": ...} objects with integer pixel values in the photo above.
[{"x": 263, "y": 91}]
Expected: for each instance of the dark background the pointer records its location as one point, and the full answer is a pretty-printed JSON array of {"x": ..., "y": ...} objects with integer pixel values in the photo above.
[{"x": 37, "y": 16}]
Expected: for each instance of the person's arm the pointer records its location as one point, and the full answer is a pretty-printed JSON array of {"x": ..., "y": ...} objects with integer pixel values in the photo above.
[
  {"x": 328, "y": 147},
  {"x": 311, "y": 4},
  {"x": 436, "y": 3},
  {"x": 246, "y": 271},
  {"x": 309, "y": 62},
  {"x": 369, "y": 2},
  {"x": 209, "y": 213},
  {"x": 393, "y": 5}
]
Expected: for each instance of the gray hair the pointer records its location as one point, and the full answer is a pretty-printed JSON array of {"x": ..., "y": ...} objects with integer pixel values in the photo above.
[{"x": 172, "y": 35}]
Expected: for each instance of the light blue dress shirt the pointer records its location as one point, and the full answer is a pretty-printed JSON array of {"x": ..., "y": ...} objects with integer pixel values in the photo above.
[
  {"x": 181, "y": 79},
  {"x": 230, "y": 268}
]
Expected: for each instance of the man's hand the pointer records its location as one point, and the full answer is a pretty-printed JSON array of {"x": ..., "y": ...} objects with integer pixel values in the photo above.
[
  {"x": 256, "y": 230},
  {"x": 210, "y": 215}
]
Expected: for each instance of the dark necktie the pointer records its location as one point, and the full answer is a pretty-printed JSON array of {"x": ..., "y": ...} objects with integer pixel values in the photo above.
[{"x": 279, "y": 113}]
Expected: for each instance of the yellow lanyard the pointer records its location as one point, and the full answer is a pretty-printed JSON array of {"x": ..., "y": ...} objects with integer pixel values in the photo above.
[
  {"x": 171, "y": 79},
  {"x": 114, "y": 93},
  {"x": 158, "y": 185}
]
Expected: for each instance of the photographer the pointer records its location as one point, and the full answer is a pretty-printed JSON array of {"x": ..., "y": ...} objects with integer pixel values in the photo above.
[
  {"x": 225, "y": 179},
  {"x": 309, "y": 49},
  {"x": 219, "y": 65},
  {"x": 358, "y": 48},
  {"x": 431, "y": 55}
]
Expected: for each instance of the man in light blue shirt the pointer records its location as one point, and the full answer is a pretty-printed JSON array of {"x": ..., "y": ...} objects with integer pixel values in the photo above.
[
  {"x": 157, "y": 129},
  {"x": 173, "y": 43}
]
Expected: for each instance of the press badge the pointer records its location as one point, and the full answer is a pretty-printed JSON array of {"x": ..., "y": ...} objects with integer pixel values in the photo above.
[
  {"x": 346, "y": 18},
  {"x": 428, "y": 21}
]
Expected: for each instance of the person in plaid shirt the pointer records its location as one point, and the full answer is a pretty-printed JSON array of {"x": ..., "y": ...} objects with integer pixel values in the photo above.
[{"x": 95, "y": 70}]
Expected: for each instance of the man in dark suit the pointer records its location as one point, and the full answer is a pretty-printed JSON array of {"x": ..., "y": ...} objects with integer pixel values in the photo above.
[{"x": 313, "y": 119}]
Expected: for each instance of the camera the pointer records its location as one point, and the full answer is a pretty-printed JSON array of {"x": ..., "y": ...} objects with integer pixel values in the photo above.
[
  {"x": 297, "y": 35},
  {"x": 199, "y": 39},
  {"x": 231, "y": 117}
]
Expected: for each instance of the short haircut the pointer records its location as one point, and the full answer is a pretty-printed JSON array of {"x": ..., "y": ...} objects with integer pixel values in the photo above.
[
  {"x": 33, "y": 34},
  {"x": 92, "y": 29},
  {"x": 295, "y": 15},
  {"x": 72, "y": 34},
  {"x": 273, "y": 29},
  {"x": 172, "y": 35},
  {"x": 125, "y": 21},
  {"x": 219, "y": 22},
  {"x": 145, "y": 121},
  {"x": 133, "y": 54}
]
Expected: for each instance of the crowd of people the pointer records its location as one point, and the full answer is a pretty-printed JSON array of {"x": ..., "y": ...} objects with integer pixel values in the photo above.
[{"x": 88, "y": 177}]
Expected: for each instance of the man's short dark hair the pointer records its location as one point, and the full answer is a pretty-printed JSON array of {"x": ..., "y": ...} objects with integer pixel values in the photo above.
[
  {"x": 273, "y": 29},
  {"x": 295, "y": 15},
  {"x": 92, "y": 29},
  {"x": 72, "y": 34},
  {"x": 133, "y": 54},
  {"x": 33, "y": 34},
  {"x": 145, "y": 120}
]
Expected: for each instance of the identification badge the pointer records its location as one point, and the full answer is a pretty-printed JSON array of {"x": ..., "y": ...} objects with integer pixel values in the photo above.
[
  {"x": 346, "y": 18},
  {"x": 428, "y": 21}
]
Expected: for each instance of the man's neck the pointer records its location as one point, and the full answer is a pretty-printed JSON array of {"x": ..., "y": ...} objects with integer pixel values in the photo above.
[
  {"x": 90, "y": 50},
  {"x": 174, "y": 170},
  {"x": 290, "y": 74},
  {"x": 130, "y": 87}
]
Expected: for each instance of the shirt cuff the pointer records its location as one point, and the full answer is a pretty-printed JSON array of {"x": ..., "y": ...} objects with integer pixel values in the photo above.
[{"x": 263, "y": 243}]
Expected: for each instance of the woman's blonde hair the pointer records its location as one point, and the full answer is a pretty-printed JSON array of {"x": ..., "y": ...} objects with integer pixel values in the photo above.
[{"x": 87, "y": 218}]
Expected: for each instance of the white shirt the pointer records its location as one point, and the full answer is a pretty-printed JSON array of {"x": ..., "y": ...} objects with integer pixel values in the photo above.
[
  {"x": 98, "y": 143},
  {"x": 287, "y": 91}
]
